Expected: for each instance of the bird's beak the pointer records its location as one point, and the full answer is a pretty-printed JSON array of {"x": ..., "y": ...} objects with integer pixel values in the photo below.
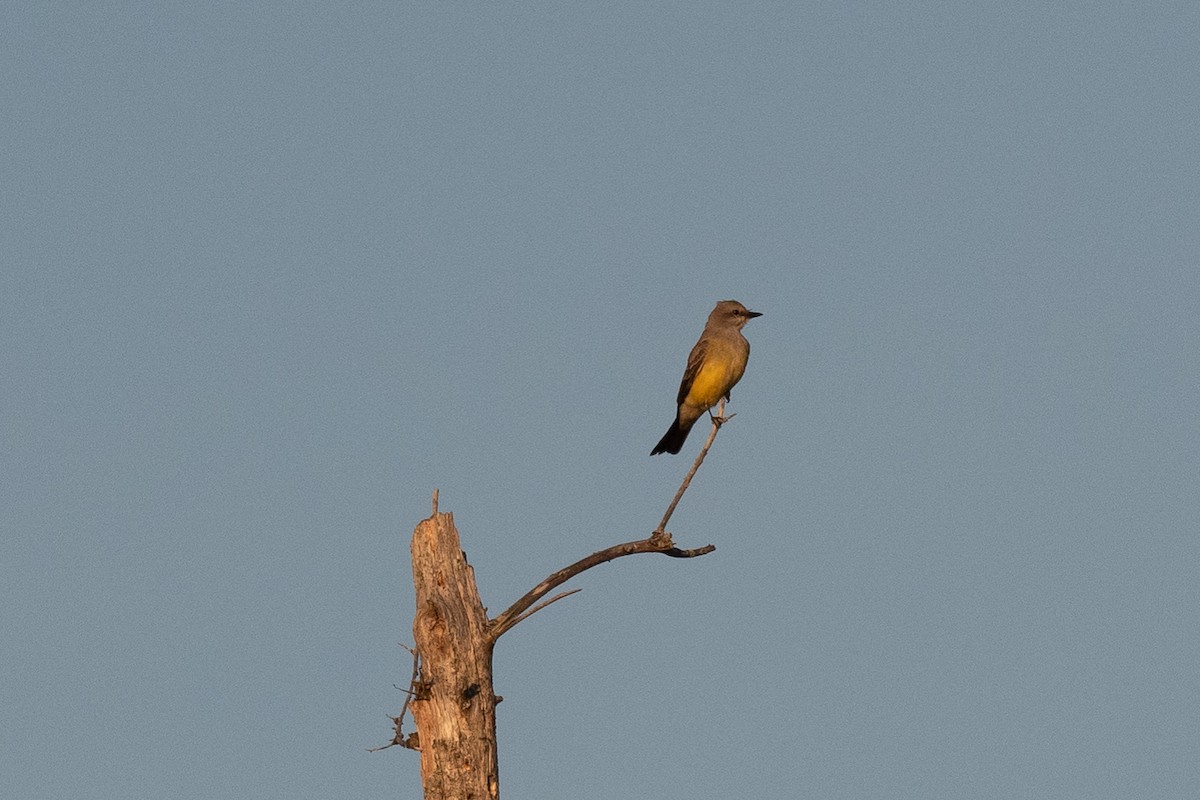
[{"x": 753, "y": 314}]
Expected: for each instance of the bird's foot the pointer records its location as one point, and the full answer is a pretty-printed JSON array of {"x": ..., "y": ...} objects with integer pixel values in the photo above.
[
  {"x": 662, "y": 538},
  {"x": 720, "y": 419}
]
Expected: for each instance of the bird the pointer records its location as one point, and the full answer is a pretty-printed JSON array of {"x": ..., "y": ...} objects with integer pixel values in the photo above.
[{"x": 714, "y": 367}]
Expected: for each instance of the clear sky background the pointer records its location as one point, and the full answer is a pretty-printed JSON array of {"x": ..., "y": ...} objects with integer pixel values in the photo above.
[{"x": 273, "y": 272}]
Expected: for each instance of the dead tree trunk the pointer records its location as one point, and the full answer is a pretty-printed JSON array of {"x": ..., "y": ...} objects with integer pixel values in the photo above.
[
  {"x": 451, "y": 698},
  {"x": 453, "y": 704}
]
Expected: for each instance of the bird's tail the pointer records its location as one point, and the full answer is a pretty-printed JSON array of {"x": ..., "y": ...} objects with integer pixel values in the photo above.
[{"x": 673, "y": 440}]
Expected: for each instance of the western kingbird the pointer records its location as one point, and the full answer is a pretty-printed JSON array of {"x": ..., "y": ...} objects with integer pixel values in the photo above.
[{"x": 714, "y": 367}]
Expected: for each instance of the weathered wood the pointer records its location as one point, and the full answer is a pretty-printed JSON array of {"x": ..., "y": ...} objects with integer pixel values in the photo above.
[{"x": 455, "y": 705}]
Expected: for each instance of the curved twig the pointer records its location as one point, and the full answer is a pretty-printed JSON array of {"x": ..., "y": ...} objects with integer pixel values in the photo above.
[{"x": 655, "y": 544}]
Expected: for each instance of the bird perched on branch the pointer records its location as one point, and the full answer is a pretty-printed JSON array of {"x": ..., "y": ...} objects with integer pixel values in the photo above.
[{"x": 714, "y": 367}]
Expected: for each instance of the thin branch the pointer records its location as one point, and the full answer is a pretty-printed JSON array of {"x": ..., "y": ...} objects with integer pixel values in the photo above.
[
  {"x": 655, "y": 544},
  {"x": 409, "y": 693},
  {"x": 717, "y": 421},
  {"x": 540, "y": 606},
  {"x": 412, "y": 682}
]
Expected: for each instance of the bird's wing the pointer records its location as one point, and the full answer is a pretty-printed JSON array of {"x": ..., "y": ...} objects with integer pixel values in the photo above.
[{"x": 695, "y": 359}]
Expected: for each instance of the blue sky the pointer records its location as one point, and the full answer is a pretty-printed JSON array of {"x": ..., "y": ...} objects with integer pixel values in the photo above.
[{"x": 272, "y": 273}]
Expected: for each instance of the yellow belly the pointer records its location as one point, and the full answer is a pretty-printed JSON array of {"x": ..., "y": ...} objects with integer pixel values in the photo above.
[{"x": 712, "y": 382}]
